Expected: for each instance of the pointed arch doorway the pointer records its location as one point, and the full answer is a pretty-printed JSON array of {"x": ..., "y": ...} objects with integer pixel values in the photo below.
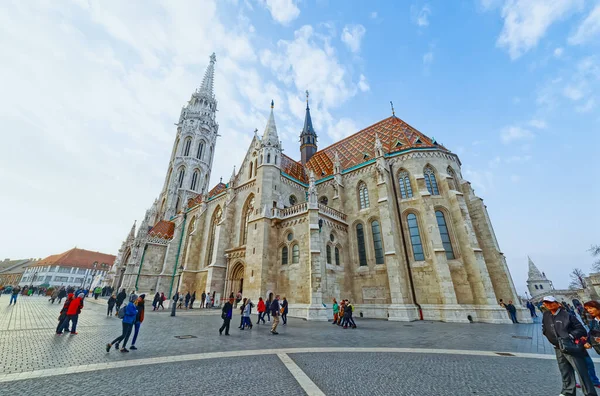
[{"x": 235, "y": 282}]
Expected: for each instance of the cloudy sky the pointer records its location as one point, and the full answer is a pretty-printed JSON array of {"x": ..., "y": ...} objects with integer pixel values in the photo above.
[{"x": 91, "y": 89}]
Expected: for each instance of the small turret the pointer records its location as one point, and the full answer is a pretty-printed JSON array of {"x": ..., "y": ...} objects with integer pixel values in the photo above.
[{"x": 308, "y": 137}]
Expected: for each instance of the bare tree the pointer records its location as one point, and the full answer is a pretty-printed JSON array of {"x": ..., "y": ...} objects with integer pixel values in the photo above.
[
  {"x": 577, "y": 279},
  {"x": 595, "y": 251}
]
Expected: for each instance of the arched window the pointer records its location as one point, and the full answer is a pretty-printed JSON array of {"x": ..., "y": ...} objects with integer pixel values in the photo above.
[
  {"x": 194, "y": 180},
  {"x": 250, "y": 175},
  {"x": 405, "y": 187},
  {"x": 284, "y": 255},
  {"x": 246, "y": 216},
  {"x": 453, "y": 184},
  {"x": 211, "y": 153},
  {"x": 255, "y": 166},
  {"x": 181, "y": 176},
  {"x": 216, "y": 219},
  {"x": 441, "y": 221},
  {"x": 323, "y": 200},
  {"x": 541, "y": 287},
  {"x": 360, "y": 239},
  {"x": 377, "y": 242},
  {"x": 261, "y": 159},
  {"x": 295, "y": 254},
  {"x": 186, "y": 146},
  {"x": 337, "y": 256},
  {"x": 200, "y": 150},
  {"x": 269, "y": 158},
  {"x": 415, "y": 237},
  {"x": 536, "y": 287},
  {"x": 275, "y": 159},
  {"x": 430, "y": 181},
  {"x": 328, "y": 254},
  {"x": 293, "y": 200},
  {"x": 363, "y": 195}
]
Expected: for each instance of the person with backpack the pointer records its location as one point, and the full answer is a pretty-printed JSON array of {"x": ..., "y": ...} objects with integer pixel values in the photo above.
[
  {"x": 242, "y": 321},
  {"x": 128, "y": 314},
  {"x": 120, "y": 298},
  {"x": 246, "y": 315},
  {"x": 275, "y": 313},
  {"x": 226, "y": 315},
  {"x": 156, "y": 301},
  {"x": 261, "y": 309},
  {"x": 111, "y": 305},
  {"x": 73, "y": 311},
  {"x": 139, "y": 304}
]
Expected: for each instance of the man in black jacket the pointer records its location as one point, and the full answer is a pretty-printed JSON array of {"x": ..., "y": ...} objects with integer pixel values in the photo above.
[
  {"x": 558, "y": 324},
  {"x": 226, "y": 314}
]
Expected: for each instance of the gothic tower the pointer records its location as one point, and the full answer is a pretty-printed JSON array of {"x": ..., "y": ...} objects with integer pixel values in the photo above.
[
  {"x": 308, "y": 137},
  {"x": 537, "y": 283},
  {"x": 192, "y": 156}
]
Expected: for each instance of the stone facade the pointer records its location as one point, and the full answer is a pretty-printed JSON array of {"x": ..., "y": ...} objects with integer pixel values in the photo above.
[{"x": 383, "y": 218}]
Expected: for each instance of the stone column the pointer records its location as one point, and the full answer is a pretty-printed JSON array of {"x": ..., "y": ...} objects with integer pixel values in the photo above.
[{"x": 316, "y": 311}]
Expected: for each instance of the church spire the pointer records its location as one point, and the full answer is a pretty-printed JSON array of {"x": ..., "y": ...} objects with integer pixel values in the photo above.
[
  {"x": 270, "y": 137},
  {"x": 534, "y": 272},
  {"x": 209, "y": 77},
  {"x": 308, "y": 136}
]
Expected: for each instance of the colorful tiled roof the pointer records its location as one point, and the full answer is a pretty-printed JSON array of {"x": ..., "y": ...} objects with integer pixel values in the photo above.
[
  {"x": 395, "y": 135},
  {"x": 216, "y": 190},
  {"x": 75, "y": 257},
  {"x": 163, "y": 229},
  {"x": 293, "y": 168}
]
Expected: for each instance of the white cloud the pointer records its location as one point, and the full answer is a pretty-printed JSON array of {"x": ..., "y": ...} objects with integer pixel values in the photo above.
[
  {"x": 342, "y": 128},
  {"x": 539, "y": 124},
  {"x": 573, "y": 92},
  {"x": 428, "y": 58},
  {"x": 352, "y": 36},
  {"x": 373, "y": 15},
  {"x": 587, "y": 106},
  {"x": 589, "y": 28},
  {"x": 526, "y": 22},
  {"x": 480, "y": 180},
  {"x": 515, "y": 133},
  {"x": 363, "y": 85},
  {"x": 422, "y": 17},
  {"x": 558, "y": 52},
  {"x": 283, "y": 11}
]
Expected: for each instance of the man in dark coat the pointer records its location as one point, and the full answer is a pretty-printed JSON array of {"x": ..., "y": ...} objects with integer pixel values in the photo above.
[
  {"x": 120, "y": 298},
  {"x": 558, "y": 324},
  {"x": 512, "y": 311},
  {"x": 226, "y": 315}
]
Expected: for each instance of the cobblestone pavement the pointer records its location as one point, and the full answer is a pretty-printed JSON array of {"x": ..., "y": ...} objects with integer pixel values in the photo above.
[{"x": 28, "y": 346}]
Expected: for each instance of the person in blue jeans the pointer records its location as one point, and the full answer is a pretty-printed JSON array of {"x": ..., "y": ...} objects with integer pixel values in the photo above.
[
  {"x": 284, "y": 310},
  {"x": 128, "y": 321},
  {"x": 14, "y": 295},
  {"x": 139, "y": 304}
]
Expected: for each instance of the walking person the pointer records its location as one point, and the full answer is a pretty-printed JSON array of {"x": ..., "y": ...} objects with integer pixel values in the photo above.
[
  {"x": 163, "y": 298},
  {"x": 63, "y": 315},
  {"x": 275, "y": 312},
  {"x": 156, "y": 301},
  {"x": 121, "y": 298},
  {"x": 246, "y": 315},
  {"x": 342, "y": 318},
  {"x": 242, "y": 313},
  {"x": 179, "y": 299},
  {"x": 73, "y": 312},
  {"x": 112, "y": 300},
  {"x": 13, "y": 296},
  {"x": 284, "y": 311},
  {"x": 350, "y": 310},
  {"x": 192, "y": 299},
  {"x": 188, "y": 297},
  {"x": 62, "y": 294},
  {"x": 238, "y": 298},
  {"x": 336, "y": 311},
  {"x": 268, "y": 307},
  {"x": 512, "y": 311},
  {"x": 261, "y": 308},
  {"x": 139, "y": 318},
  {"x": 203, "y": 299},
  {"x": 565, "y": 333},
  {"x": 226, "y": 315},
  {"x": 128, "y": 314},
  {"x": 208, "y": 301},
  {"x": 531, "y": 309},
  {"x": 54, "y": 295}
]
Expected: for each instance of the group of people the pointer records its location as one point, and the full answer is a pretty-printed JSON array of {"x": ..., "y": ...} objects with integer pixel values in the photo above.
[
  {"x": 342, "y": 314},
  {"x": 132, "y": 316},
  {"x": 272, "y": 307},
  {"x": 187, "y": 301},
  {"x": 571, "y": 342},
  {"x": 69, "y": 314}
]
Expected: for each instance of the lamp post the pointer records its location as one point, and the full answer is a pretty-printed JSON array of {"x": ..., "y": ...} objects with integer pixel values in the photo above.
[{"x": 174, "y": 307}]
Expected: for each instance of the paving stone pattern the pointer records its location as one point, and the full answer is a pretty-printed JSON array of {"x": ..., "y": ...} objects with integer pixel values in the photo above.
[{"x": 375, "y": 374}]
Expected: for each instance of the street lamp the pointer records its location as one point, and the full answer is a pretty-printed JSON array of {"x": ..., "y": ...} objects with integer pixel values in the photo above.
[
  {"x": 93, "y": 274},
  {"x": 174, "y": 307}
]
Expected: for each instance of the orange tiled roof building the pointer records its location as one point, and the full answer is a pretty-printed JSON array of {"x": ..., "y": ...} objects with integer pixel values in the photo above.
[{"x": 383, "y": 218}]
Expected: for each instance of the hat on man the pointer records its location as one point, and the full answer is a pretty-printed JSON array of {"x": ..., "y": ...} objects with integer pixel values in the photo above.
[{"x": 549, "y": 299}]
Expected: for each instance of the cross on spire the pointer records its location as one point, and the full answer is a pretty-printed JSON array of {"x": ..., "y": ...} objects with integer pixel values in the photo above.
[{"x": 393, "y": 112}]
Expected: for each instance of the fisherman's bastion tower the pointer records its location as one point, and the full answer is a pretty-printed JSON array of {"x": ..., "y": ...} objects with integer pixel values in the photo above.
[{"x": 383, "y": 218}]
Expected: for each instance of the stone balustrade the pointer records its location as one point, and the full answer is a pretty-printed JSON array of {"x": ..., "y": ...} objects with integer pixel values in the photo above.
[
  {"x": 291, "y": 211},
  {"x": 334, "y": 214}
]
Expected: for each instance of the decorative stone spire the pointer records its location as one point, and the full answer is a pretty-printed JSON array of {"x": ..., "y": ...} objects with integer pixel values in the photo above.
[
  {"x": 131, "y": 235},
  {"x": 209, "y": 76},
  {"x": 312, "y": 189},
  {"x": 308, "y": 137},
  {"x": 534, "y": 272},
  {"x": 270, "y": 137},
  {"x": 378, "y": 146},
  {"x": 337, "y": 165}
]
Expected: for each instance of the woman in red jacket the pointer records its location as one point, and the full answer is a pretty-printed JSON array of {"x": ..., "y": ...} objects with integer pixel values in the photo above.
[
  {"x": 73, "y": 314},
  {"x": 261, "y": 309}
]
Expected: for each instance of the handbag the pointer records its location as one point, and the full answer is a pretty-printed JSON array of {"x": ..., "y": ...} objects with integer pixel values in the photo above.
[{"x": 570, "y": 347}]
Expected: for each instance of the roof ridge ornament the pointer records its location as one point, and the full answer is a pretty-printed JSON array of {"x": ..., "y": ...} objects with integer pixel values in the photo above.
[{"x": 393, "y": 112}]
